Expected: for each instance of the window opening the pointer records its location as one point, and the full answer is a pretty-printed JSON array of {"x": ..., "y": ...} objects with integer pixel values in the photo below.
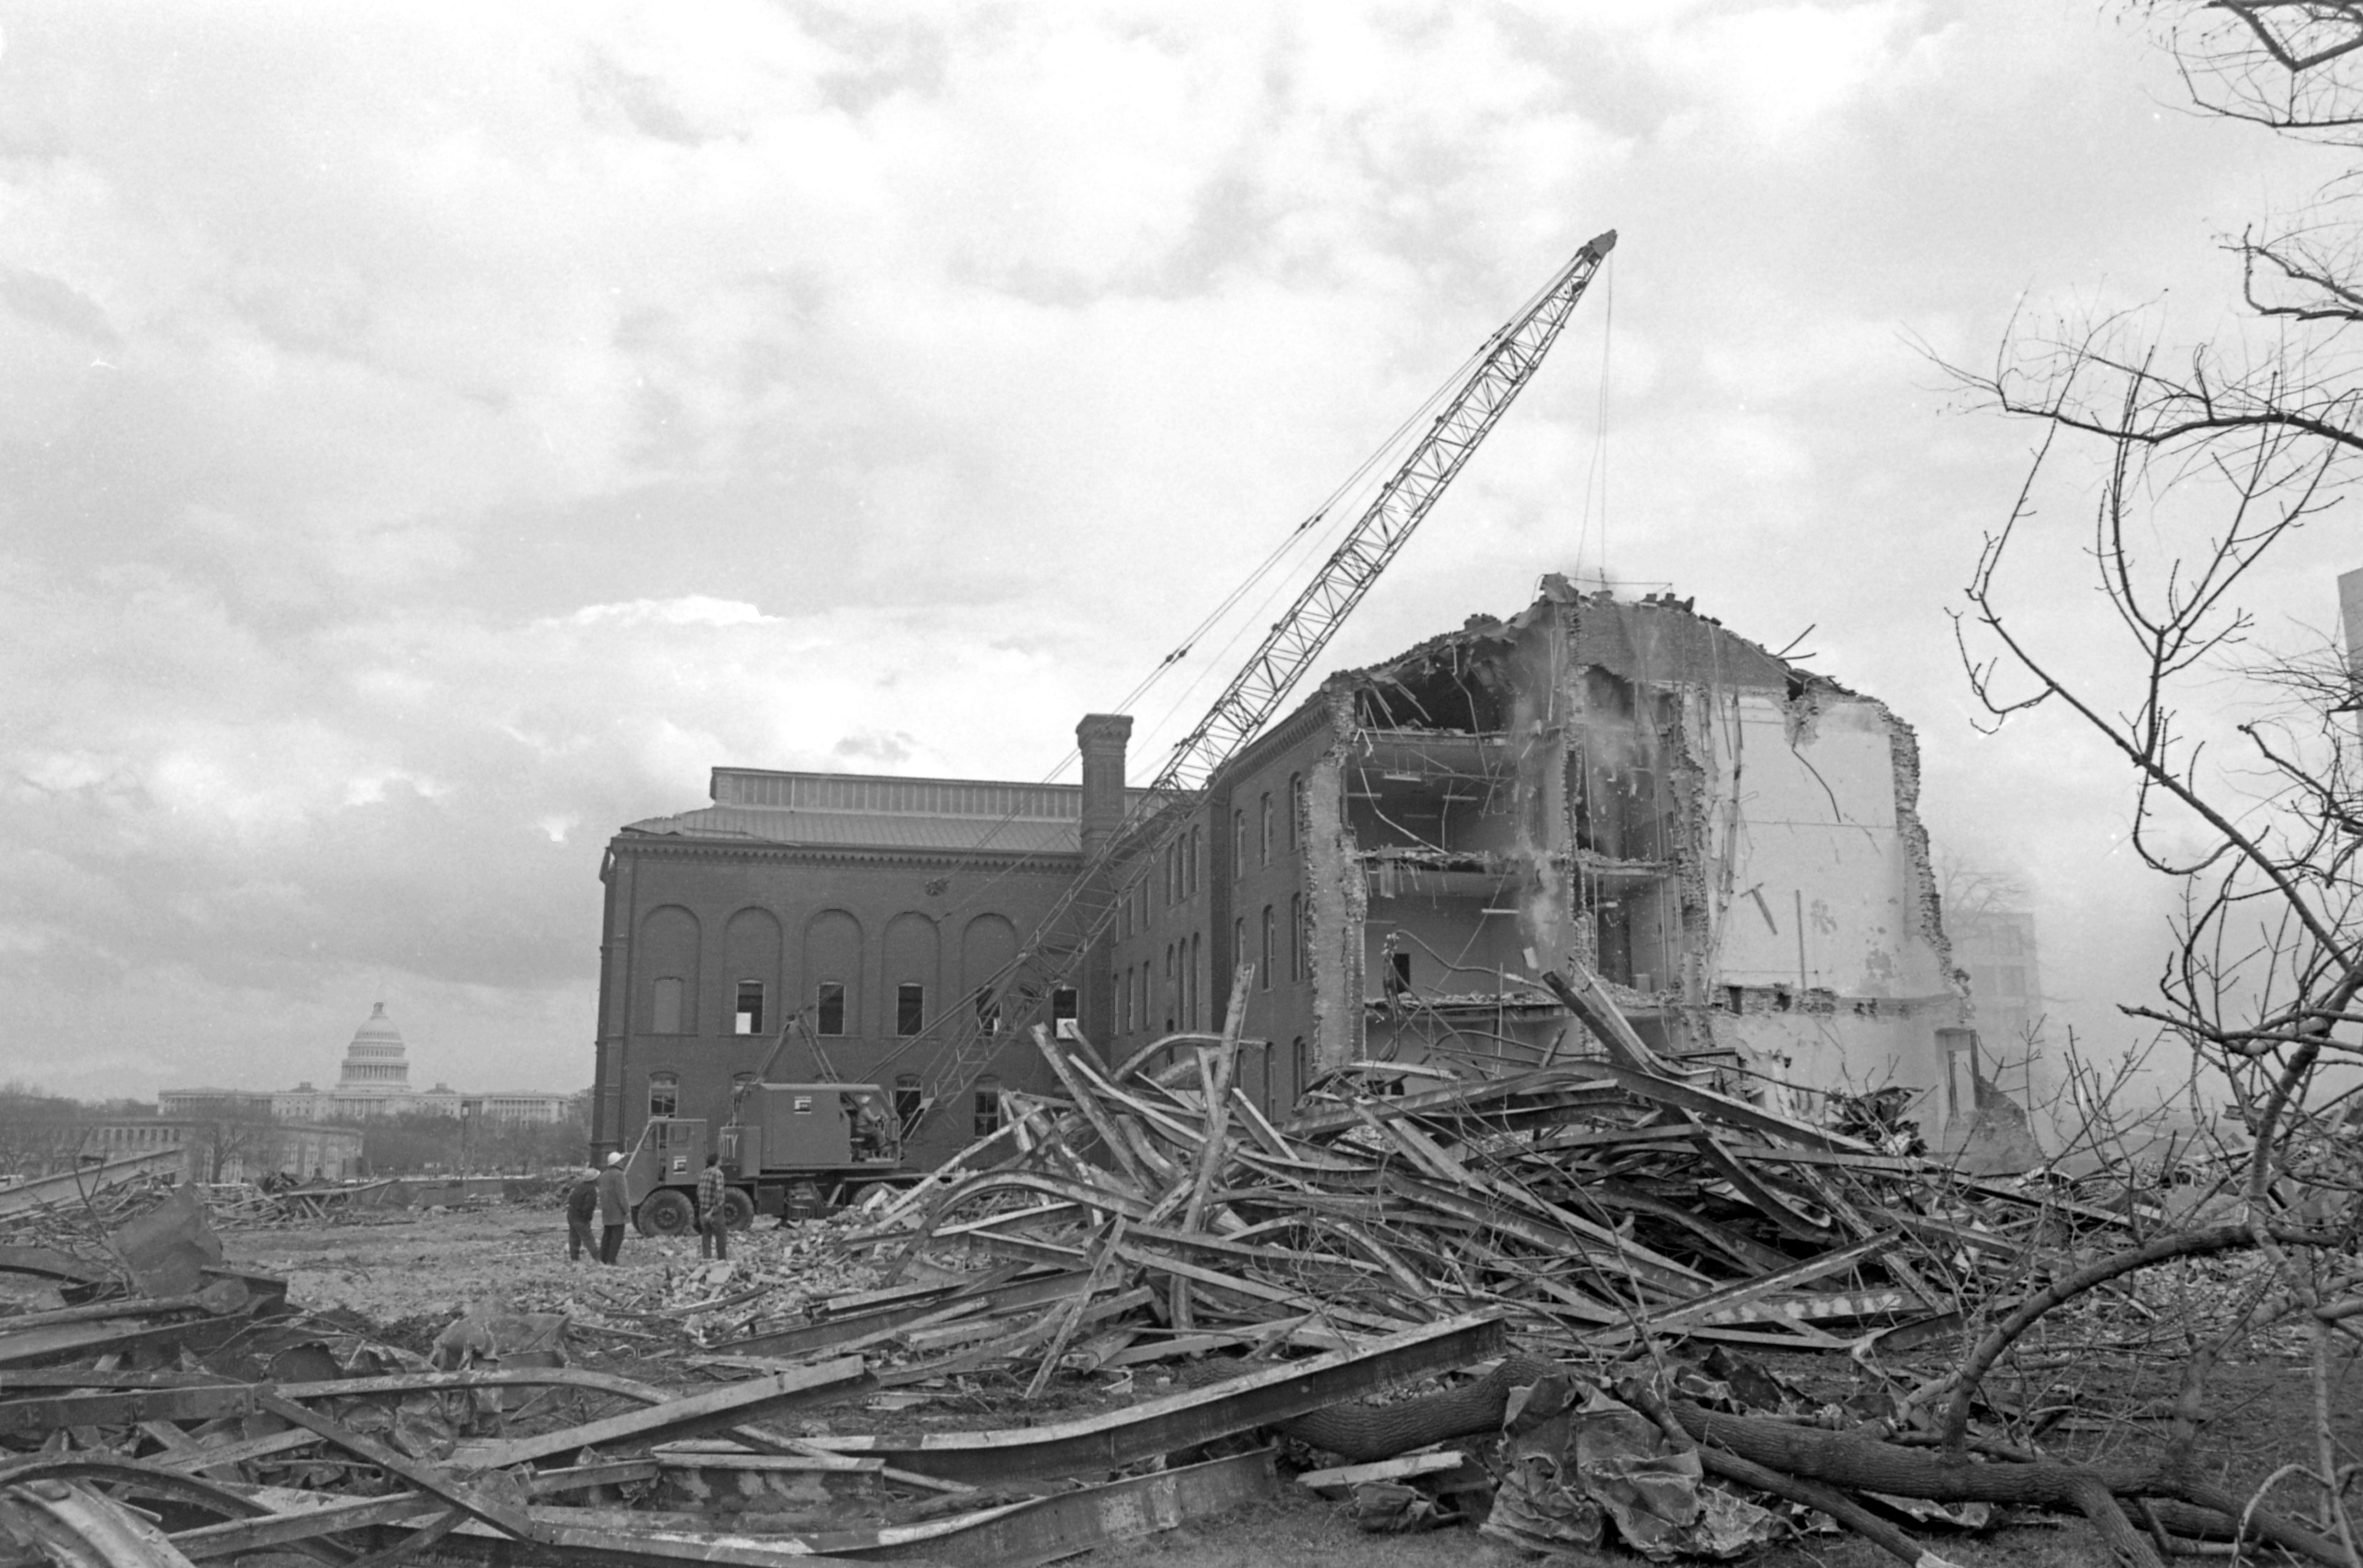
[
  {"x": 988, "y": 1014},
  {"x": 749, "y": 1016},
  {"x": 1263, "y": 978},
  {"x": 910, "y": 1008},
  {"x": 829, "y": 1007},
  {"x": 1296, "y": 936},
  {"x": 909, "y": 1099},
  {"x": 987, "y": 1118},
  {"x": 664, "y": 1093},
  {"x": 1263, "y": 832},
  {"x": 667, "y": 1008},
  {"x": 1238, "y": 845}
]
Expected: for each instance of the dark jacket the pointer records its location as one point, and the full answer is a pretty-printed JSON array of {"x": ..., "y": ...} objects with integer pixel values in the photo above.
[
  {"x": 583, "y": 1201},
  {"x": 613, "y": 1210}
]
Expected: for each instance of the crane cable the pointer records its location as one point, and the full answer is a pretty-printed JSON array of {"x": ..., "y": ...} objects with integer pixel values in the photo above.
[{"x": 1292, "y": 543}]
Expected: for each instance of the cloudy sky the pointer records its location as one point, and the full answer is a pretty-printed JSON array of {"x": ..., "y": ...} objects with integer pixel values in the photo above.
[{"x": 432, "y": 436}]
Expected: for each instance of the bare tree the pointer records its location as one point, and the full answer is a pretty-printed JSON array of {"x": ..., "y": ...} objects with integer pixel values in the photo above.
[{"x": 2232, "y": 448}]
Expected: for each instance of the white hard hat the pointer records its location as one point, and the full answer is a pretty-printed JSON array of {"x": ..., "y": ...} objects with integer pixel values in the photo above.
[{"x": 615, "y": 1159}]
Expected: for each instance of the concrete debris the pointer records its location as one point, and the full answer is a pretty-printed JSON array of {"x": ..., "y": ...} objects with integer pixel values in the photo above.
[{"x": 1525, "y": 1302}]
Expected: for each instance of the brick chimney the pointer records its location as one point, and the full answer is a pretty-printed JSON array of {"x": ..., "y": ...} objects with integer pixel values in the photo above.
[{"x": 1101, "y": 739}]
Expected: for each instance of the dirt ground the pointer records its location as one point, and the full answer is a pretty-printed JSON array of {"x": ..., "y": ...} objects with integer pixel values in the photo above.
[{"x": 412, "y": 1274}]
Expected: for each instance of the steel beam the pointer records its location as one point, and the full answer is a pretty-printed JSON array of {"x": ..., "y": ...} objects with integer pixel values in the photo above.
[{"x": 1104, "y": 1443}]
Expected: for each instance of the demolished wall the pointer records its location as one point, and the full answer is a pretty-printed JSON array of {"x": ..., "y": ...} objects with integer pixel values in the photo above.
[{"x": 1729, "y": 841}]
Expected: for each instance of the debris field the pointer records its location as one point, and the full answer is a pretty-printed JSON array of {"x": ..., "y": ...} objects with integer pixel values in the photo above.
[{"x": 1535, "y": 1304}]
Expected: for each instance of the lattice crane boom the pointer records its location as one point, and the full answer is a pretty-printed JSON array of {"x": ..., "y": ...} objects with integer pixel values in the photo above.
[{"x": 1080, "y": 918}]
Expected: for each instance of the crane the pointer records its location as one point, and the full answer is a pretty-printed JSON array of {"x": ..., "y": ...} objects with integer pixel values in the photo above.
[{"x": 1083, "y": 915}]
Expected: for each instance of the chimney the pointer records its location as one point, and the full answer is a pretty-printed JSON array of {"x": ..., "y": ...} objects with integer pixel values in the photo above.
[{"x": 1101, "y": 739}]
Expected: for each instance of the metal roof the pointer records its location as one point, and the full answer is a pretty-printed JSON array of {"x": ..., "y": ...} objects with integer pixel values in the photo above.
[{"x": 871, "y": 830}]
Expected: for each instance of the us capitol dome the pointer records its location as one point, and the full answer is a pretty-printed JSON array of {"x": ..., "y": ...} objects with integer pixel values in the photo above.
[{"x": 373, "y": 1081}]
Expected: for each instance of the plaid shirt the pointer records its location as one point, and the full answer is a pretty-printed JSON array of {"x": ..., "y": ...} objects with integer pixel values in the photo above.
[{"x": 709, "y": 1193}]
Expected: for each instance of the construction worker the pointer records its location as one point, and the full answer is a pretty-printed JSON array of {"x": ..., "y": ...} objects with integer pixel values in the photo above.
[
  {"x": 713, "y": 1218},
  {"x": 582, "y": 1204},
  {"x": 613, "y": 1208}
]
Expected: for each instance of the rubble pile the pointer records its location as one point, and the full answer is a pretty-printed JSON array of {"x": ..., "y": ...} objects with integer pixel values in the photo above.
[
  {"x": 1597, "y": 1206},
  {"x": 1537, "y": 1304}
]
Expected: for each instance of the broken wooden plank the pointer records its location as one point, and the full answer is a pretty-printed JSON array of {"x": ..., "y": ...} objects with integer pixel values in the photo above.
[{"x": 1339, "y": 1479}]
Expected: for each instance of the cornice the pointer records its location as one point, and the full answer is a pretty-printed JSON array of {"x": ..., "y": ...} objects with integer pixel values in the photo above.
[{"x": 1035, "y": 863}]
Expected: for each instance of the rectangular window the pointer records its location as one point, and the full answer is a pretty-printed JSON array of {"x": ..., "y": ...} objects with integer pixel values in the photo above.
[
  {"x": 1296, "y": 810},
  {"x": 1296, "y": 936},
  {"x": 987, "y": 1119},
  {"x": 666, "y": 1019},
  {"x": 988, "y": 1013},
  {"x": 1263, "y": 978},
  {"x": 1062, "y": 1013},
  {"x": 1264, "y": 831},
  {"x": 829, "y": 1005},
  {"x": 1197, "y": 858},
  {"x": 664, "y": 1096},
  {"x": 1401, "y": 961},
  {"x": 1238, "y": 845},
  {"x": 750, "y": 1018},
  {"x": 910, "y": 1008},
  {"x": 1172, "y": 996},
  {"x": 1123, "y": 1006},
  {"x": 1239, "y": 939}
]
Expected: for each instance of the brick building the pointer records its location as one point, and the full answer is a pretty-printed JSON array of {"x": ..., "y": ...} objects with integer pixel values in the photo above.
[{"x": 1728, "y": 841}]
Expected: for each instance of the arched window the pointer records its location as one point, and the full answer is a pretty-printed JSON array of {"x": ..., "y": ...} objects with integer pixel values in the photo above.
[
  {"x": 1263, "y": 980},
  {"x": 1197, "y": 954},
  {"x": 1263, "y": 832},
  {"x": 1172, "y": 995},
  {"x": 1296, "y": 936},
  {"x": 1238, "y": 938},
  {"x": 664, "y": 1093},
  {"x": 1238, "y": 845},
  {"x": 1197, "y": 858},
  {"x": 666, "y": 1007},
  {"x": 1295, "y": 810}
]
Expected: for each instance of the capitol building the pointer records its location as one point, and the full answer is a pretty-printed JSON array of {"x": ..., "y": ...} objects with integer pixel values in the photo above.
[{"x": 373, "y": 1081}]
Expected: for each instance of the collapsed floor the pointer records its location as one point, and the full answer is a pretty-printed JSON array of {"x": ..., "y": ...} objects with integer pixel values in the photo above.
[{"x": 1543, "y": 1304}]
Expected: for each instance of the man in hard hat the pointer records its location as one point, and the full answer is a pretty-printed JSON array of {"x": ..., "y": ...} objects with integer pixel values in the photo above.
[{"x": 613, "y": 1208}]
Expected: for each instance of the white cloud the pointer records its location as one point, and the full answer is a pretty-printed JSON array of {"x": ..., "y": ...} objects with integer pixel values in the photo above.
[
  {"x": 514, "y": 414},
  {"x": 690, "y": 610}
]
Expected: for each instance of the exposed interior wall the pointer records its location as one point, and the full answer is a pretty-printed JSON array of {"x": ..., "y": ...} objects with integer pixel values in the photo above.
[{"x": 1730, "y": 842}]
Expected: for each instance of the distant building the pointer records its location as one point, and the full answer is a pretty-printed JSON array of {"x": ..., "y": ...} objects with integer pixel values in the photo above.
[
  {"x": 227, "y": 1147},
  {"x": 374, "y": 1080},
  {"x": 1996, "y": 948}
]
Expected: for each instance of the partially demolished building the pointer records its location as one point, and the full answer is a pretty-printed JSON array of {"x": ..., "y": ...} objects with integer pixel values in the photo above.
[{"x": 1727, "y": 840}]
